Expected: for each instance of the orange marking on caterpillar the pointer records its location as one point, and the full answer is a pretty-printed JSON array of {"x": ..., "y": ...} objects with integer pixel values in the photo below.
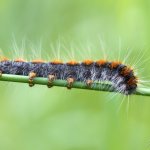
[
  {"x": 114, "y": 64},
  {"x": 72, "y": 62},
  {"x": 56, "y": 62},
  {"x": 132, "y": 81},
  {"x": 19, "y": 60},
  {"x": 101, "y": 62},
  {"x": 88, "y": 62},
  {"x": 2, "y": 59},
  {"x": 126, "y": 71},
  {"x": 38, "y": 61}
]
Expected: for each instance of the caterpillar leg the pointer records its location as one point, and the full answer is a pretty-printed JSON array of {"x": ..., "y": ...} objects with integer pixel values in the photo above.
[
  {"x": 32, "y": 75},
  {"x": 89, "y": 83},
  {"x": 70, "y": 82},
  {"x": 51, "y": 78}
]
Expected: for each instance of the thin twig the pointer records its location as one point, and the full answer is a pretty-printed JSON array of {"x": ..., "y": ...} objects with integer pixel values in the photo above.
[{"x": 62, "y": 83}]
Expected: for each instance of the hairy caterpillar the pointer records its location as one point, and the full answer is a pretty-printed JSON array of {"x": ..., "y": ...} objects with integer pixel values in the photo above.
[
  {"x": 92, "y": 70},
  {"x": 88, "y": 71}
]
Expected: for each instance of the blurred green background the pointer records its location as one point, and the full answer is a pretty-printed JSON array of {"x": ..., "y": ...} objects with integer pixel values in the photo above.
[{"x": 58, "y": 119}]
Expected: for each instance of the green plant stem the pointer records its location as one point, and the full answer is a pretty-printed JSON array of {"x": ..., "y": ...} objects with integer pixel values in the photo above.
[{"x": 62, "y": 83}]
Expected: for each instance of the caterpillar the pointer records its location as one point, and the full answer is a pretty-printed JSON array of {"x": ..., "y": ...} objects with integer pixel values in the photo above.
[{"x": 121, "y": 76}]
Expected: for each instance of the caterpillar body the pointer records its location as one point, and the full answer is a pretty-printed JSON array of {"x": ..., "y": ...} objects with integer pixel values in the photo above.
[{"x": 88, "y": 71}]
